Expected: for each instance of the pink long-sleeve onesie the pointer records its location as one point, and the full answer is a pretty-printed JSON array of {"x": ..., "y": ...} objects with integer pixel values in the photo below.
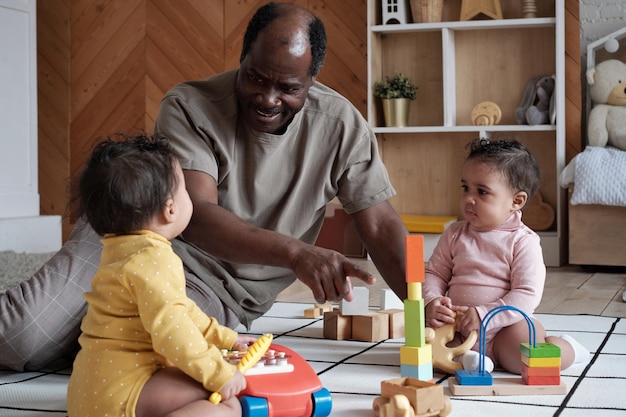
[{"x": 484, "y": 270}]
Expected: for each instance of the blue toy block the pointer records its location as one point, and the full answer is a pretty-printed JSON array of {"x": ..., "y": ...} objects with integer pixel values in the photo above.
[
  {"x": 421, "y": 372},
  {"x": 481, "y": 378}
]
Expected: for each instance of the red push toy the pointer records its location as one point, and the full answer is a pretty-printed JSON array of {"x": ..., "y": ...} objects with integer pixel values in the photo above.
[{"x": 282, "y": 384}]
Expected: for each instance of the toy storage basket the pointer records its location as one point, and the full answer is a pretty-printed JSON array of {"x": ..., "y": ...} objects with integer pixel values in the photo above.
[{"x": 426, "y": 11}]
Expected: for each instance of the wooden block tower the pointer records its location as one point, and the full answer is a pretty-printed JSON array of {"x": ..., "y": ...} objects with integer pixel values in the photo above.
[{"x": 416, "y": 356}]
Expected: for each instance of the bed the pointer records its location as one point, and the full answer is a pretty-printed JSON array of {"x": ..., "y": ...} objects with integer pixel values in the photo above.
[{"x": 596, "y": 180}]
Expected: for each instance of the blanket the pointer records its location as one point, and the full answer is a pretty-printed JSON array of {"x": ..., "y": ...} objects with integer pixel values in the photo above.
[{"x": 598, "y": 175}]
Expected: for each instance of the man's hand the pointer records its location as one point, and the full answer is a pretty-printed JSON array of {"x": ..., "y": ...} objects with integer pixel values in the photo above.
[{"x": 327, "y": 273}]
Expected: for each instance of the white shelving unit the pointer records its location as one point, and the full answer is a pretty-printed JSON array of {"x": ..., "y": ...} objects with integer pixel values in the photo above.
[{"x": 457, "y": 65}]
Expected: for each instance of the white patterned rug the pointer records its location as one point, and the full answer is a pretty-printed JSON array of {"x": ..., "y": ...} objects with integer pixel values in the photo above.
[{"x": 352, "y": 371}]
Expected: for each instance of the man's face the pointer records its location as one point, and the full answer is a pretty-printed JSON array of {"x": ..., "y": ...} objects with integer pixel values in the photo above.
[{"x": 274, "y": 80}]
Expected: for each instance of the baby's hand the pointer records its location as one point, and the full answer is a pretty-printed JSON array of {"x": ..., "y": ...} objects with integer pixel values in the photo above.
[
  {"x": 469, "y": 320},
  {"x": 439, "y": 312},
  {"x": 243, "y": 342},
  {"x": 234, "y": 386}
]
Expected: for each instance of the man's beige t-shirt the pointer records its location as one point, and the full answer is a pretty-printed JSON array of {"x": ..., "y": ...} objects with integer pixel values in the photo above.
[{"x": 276, "y": 182}]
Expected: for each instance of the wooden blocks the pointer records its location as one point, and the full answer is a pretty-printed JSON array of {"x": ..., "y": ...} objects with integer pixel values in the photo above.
[
  {"x": 336, "y": 326},
  {"x": 372, "y": 327},
  {"x": 414, "y": 328},
  {"x": 359, "y": 304},
  {"x": 389, "y": 300},
  {"x": 414, "y": 258},
  {"x": 354, "y": 320},
  {"x": 396, "y": 322},
  {"x": 427, "y": 224},
  {"x": 416, "y": 356},
  {"x": 318, "y": 310},
  {"x": 541, "y": 374},
  {"x": 541, "y": 365}
]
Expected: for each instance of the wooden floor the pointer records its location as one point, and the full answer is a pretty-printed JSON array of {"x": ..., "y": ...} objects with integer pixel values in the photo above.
[{"x": 568, "y": 290}]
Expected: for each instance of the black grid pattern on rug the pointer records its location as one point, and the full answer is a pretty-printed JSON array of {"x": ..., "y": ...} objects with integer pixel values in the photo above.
[{"x": 352, "y": 371}]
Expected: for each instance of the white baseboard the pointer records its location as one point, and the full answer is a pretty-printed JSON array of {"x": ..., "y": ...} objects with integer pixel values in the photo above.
[{"x": 36, "y": 234}]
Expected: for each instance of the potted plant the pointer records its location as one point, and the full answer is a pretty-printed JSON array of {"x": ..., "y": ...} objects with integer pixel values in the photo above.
[{"x": 396, "y": 94}]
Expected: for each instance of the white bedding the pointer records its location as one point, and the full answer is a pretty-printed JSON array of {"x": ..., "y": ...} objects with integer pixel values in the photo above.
[{"x": 598, "y": 175}]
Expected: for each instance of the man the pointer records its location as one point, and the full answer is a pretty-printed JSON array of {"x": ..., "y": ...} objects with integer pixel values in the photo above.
[{"x": 264, "y": 148}]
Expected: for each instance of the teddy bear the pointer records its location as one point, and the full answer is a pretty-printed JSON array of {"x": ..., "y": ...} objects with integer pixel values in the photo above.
[{"x": 607, "y": 120}]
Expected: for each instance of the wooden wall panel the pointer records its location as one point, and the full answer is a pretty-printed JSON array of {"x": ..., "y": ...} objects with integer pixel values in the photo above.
[
  {"x": 53, "y": 68},
  {"x": 105, "y": 64},
  {"x": 573, "y": 89},
  {"x": 120, "y": 56},
  {"x": 345, "y": 68}
]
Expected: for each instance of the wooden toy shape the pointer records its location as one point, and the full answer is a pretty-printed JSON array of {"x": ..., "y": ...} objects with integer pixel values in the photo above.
[
  {"x": 389, "y": 300},
  {"x": 372, "y": 327},
  {"x": 541, "y": 350},
  {"x": 313, "y": 313},
  {"x": 420, "y": 372},
  {"x": 414, "y": 322},
  {"x": 475, "y": 382},
  {"x": 442, "y": 354},
  {"x": 414, "y": 291},
  {"x": 414, "y": 255},
  {"x": 505, "y": 386},
  {"x": 318, "y": 310},
  {"x": 336, "y": 326},
  {"x": 396, "y": 406},
  {"x": 417, "y": 223},
  {"x": 472, "y": 8},
  {"x": 396, "y": 322},
  {"x": 426, "y": 398},
  {"x": 359, "y": 304},
  {"x": 486, "y": 113},
  {"x": 541, "y": 362},
  {"x": 394, "y": 12},
  {"x": 413, "y": 355}
]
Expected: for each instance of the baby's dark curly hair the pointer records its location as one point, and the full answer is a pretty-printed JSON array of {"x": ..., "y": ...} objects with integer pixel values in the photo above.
[
  {"x": 126, "y": 182},
  {"x": 510, "y": 157},
  {"x": 266, "y": 14}
]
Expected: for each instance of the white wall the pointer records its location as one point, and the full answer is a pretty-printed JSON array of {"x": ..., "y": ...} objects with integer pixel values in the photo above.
[
  {"x": 22, "y": 229},
  {"x": 598, "y": 18}
]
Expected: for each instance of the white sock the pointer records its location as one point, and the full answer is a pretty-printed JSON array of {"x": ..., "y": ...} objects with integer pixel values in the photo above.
[
  {"x": 471, "y": 361},
  {"x": 581, "y": 354}
]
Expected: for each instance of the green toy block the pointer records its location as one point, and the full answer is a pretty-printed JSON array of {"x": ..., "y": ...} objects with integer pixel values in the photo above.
[
  {"x": 543, "y": 350},
  {"x": 414, "y": 328}
]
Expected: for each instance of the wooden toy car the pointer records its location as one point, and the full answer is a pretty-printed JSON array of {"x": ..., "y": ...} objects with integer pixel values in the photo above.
[
  {"x": 283, "y": 384},
  {"x": 410, "y": 397}
]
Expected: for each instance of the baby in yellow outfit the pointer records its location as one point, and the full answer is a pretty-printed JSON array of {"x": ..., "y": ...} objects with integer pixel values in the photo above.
[{"x": 146, "y": 349}]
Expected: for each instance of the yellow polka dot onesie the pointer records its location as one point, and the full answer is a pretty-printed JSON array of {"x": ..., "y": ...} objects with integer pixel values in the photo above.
[{"x": 139, "y": 320}]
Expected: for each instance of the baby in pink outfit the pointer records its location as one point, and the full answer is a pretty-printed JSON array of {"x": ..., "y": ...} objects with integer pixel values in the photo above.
[{"x": 493, "y": 259}]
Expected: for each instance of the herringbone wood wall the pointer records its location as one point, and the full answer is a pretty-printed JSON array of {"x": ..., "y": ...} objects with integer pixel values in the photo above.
[{"x": 105, "y": 64}]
